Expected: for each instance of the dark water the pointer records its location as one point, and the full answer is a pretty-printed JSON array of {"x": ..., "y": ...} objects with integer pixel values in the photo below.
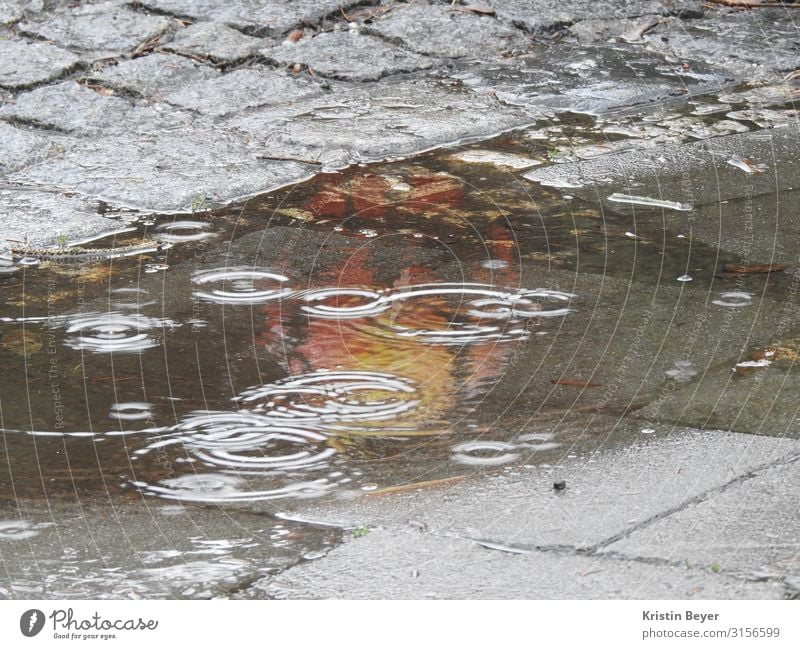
[{"x": 350, "y": 334}]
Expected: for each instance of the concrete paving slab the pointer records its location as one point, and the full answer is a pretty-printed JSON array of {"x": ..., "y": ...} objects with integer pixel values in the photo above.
[
  {"x": 213, "y": 41},
  {"x": 153, "y": 76},
  {"x": 404, "y": 565},
  {"x": 449, "y": 32},
  {"x": 348, "y": 56},
  {"x": 24, "y": 64},
  {"x": 98, "y": 30},
  {"x": 96, "y": 549},
  {"x": 243, "y": 89},
  {"x": 607, "y": 495},
  {"x": 261, "y": 17},
  {"x": 67, "y": 107},
  {"x": 357, "y": 124},
  {"x": 750, "y": 530}
]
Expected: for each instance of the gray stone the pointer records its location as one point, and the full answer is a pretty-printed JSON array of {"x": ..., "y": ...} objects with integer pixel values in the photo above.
[
  {"x": 357, "y": 124},
  {"x": 684, "y": 173},
  {"x": 11, "y": 12},
  {"x": 259, "y": 16},
  {"x": 242, "y": 89},
  {"x": 91, "y": 548},
  {"x": 19, "y": 147},
  {"x": 609, "y": 494},
  {"x": 735, "y": 41},
  {"x": 154, "y": 75},
  {"x": 407, "y": 565},
  {"x": 165, "y": 169},
  {"x": 447, "y": 32},
  {"x": 747, "y": 530},
  {"x": 213, "y": 41},
  {"x": 24, "y": 64},
  {"x": 349, "y": 56},
  {"x": 545, "y": 15},
  {"x": 103, "y": 29},
  {"x": 69, "y": 107},
  {"x": 589, "y": 79},
  {"x": 43, "y": 216}
]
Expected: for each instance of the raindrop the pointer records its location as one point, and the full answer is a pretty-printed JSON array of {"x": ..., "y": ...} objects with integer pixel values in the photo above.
[
  {"x": 132, "y": 411},
  {"x": 240, "y": 285},
  {"x": 182, "y": 231},
  {"x": 484, "y": 453},
  {"x": 113, "y": 332}
]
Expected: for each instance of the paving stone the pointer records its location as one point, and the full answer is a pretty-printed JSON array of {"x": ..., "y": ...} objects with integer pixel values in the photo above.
[
  {"x": 242, "y": 89},
  {"x": 214, "y": 41},
  {"x": 406, "y": 565},
  {"x": 608, "y": 493},
  {"x": 733, "y": 40},
  {"x": 19, "y": 147},
  {"x": 42, "y": 216},
  {"x": 257, "y": 16},
  {"x": 356, "y": 124},
  {"x": 749, "y": 530},
  {"x": 164, "y": 169},
  {"x": 347, "y": 55},
  {"x": 11, "y": 12},
  {"x": 589, "y": 79},
  {"x": 154, "y": 75},
  {"x": 103, "y": 29},
  {"x": 447, "y": 32},
  {"x": 69, "y": 107},
  {"x": 24, "y": 64},
  {"x": 546, "y": 15}
]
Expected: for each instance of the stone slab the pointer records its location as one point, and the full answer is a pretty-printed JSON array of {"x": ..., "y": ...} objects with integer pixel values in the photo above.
[
  {"x": 448, "y": 32},
  {"x": 23, "y": 64},
  {"x": 750, "y": 530},
  {"x": 260, "y": 16},
  {"x": 242, "y": 89},
  {"x": 21, "y": 146},
  {"x": 358, "y": 124},
  {"x": 166, "y": 169},
  {"x": 607, "y": 494},
  {"x": 100, "y": 30},
  {"x": 546, "y": 15},
  {"x": 591, "y": 79},
  {"x": 348, "y": 56},
  {"x": 69, "y": 107},
  {"x": 213, "y": 41},
  {"x": 154, "y": 76},
  {"x": 43, "y": 216},
  {"x": 405, "y": 565}
]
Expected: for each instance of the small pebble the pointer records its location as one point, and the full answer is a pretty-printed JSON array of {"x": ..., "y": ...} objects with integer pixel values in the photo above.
[{"x": 560, "y": 485}]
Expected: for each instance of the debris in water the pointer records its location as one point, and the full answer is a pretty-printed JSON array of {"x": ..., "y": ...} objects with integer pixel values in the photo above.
[
  {"x": 683, "y": 372},
  {"x": 651, "y": 202},
  {"x": 736, "y": 269},
  {"x": 685, "y": 278},
  {"x": 748, "y": 166}
]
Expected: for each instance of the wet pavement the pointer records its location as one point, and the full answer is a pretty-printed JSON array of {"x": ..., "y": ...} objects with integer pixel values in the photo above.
[{"x": 507, "y": 314}]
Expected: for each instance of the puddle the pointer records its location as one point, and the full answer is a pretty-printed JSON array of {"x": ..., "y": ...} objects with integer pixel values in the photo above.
[{"x": 365, "y": 329}]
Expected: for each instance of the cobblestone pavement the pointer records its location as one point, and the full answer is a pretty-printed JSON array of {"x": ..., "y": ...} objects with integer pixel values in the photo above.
[{"x": 150, "y": 105}]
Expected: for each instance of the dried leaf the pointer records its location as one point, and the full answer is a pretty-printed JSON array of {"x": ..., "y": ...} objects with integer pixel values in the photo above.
[
  {"x": 736, "y": 269},
  {"x": 575, "y": 384},
  {"x": 481, "y": 10},
  {"x": 22, "y": 342}
]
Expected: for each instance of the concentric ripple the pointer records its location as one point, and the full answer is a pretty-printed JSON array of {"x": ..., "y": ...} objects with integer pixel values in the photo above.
[
  {"x": 182, "y": 231},
  {"x": 240, "y": 285},
  {"x": 113, "y": 332},
  {"x": 245, "y": 440},
  {"x": 326, "y": 397},
  {"x": 221, "y": 487}
]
